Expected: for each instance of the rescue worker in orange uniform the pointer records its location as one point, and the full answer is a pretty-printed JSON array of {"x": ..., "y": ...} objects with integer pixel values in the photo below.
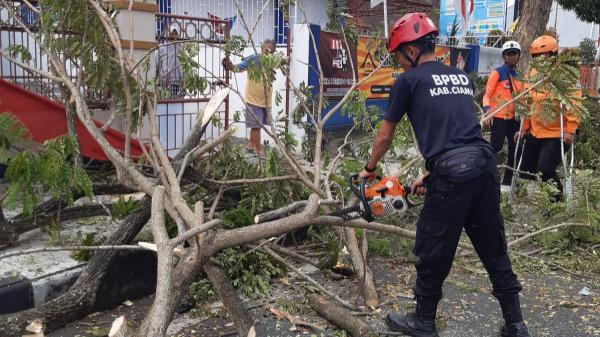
[
  {"x": 542, "y": 151},
  {"x": 501, "y": 86}
]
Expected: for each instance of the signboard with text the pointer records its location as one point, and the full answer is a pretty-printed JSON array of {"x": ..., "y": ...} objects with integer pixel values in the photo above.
[
  {"x": 488, "y": 15},
  {"x": 337, "y": 66}
]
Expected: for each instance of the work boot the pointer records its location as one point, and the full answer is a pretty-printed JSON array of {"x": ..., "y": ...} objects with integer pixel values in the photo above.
[
  {"x": 411, "y": 325},
  {"x": 518, "y": 329}
]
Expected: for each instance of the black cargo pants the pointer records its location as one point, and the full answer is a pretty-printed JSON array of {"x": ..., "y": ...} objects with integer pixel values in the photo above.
[
  {"x": 501, "y": 129},
  {"x": 543, "y": 155},
  {"x": 475, "y": 206}
]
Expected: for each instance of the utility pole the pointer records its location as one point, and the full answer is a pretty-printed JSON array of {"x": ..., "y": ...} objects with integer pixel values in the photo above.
[{"x": 385, "y": 17}]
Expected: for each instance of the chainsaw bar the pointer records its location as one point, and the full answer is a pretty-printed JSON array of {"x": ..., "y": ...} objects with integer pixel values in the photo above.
[{"x": 348, "y": 213}]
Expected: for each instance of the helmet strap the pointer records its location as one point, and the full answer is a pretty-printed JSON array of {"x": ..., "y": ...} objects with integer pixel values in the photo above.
[{"x": 413, "y": 63}]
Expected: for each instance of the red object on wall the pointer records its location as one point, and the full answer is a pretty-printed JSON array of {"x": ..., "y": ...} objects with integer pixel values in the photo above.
[{"x": 46, "y": 119}]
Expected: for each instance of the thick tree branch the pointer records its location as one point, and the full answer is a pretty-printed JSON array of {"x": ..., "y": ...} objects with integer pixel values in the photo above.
[
  {"x": 164, "y": 280},
  {"x": 543, "y": 230},
  {"x": 252, "y": 181}
]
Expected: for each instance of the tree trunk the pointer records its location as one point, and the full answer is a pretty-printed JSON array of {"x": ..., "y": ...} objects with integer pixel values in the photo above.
[
  {"x": 190, "y": 265},
  {"x": 363, "y": 272},
  {"x": 232, "y": 303},
  {"x": 339, "y": 316},
  {"x": 532, "y": 24},
  {"x": 80, "y": 300}
]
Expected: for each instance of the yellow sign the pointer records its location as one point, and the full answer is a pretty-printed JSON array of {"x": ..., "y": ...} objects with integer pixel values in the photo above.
[{"x": 380, "y": 84}]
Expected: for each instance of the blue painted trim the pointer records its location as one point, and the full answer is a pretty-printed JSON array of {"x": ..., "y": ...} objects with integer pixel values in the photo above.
[{"x": 474, "y": 58}]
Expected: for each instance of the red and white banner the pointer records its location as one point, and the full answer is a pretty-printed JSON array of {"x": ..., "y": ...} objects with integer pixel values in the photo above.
[{"x": 465, "y": 9}]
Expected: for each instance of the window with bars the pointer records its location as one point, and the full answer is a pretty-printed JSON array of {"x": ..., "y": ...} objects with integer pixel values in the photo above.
[{"x": 281, "y": 24}]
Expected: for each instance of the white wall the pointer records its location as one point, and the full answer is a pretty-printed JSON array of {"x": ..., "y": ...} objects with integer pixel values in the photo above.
[
  {"x": 570, "y": 29},
  {"x": 489, "y": 59},
  {"x": 299, "y": 67},
  {"x": 315, "y": 10}
]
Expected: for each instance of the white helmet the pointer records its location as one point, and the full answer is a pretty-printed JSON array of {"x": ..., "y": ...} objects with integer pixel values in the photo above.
[{"x": 511, "y": 45}]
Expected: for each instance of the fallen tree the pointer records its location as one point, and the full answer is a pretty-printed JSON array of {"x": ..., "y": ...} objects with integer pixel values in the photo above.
[{"x": 302, "y": 199}]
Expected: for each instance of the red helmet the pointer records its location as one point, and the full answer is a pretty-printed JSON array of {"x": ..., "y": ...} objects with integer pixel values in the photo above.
[{"x": 410, "y": 27}]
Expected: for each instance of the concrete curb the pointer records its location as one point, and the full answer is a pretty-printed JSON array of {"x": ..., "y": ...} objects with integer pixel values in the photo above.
[
  {"x": 28, "y": 281},
  {"x": 131, "y": 275}
]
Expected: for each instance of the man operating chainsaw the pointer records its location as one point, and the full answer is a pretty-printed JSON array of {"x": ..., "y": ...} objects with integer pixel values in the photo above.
[{"x": 462, "y": 186}]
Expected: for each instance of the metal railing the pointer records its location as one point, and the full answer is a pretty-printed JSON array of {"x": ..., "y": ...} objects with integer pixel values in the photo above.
[
  {"x": 178, "y": 108},
  {"x": 262, "y": 16},
  {"x": 12, "y": 34},
  {"x": 495, "y": 41}
]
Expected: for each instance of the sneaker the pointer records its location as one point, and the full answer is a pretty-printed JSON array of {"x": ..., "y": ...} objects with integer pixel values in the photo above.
[
  {"x": 505, "y": 188},
  {"x": 518, "y": 329},
  {"x": 411, "y": 325}
]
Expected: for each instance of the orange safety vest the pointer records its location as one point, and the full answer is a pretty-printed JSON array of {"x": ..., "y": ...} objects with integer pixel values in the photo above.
[
  {"x": 497, "y": 91},
  {"x": 541, "y": 129}
]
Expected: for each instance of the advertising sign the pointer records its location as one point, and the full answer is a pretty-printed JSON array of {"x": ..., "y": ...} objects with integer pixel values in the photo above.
[
  {"x": 380, "y": 84},
  {"x": 337, "y": 67},
  {"x": 335, "y": 62}
]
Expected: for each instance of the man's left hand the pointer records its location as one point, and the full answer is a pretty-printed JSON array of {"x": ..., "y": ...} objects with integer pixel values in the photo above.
[{"x": 568, "y": 138}]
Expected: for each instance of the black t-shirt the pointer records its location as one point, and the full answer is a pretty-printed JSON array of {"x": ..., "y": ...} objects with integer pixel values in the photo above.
[{"x": 439, "y": 102}]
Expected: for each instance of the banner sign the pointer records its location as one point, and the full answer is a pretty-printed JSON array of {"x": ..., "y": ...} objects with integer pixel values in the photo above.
[
  {"x": 337, "y": 66},
  {"x": 380, "y": 84}
]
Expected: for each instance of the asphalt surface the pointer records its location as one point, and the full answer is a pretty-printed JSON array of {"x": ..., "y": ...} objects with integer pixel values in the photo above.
[{"x": 551, "y": 303}]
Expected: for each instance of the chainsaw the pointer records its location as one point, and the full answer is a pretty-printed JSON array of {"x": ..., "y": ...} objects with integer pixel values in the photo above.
[{"x": 380, "y": 199}]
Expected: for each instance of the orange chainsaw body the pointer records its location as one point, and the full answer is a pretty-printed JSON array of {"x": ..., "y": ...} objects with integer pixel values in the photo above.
[{"x": 386, "y": 197}]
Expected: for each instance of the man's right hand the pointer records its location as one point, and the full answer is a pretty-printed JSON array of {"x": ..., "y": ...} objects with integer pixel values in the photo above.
[
  {"x": 418, "y": 186},
  {"x": 489, "y": 121},
  {"x": 226, "y": 63},
  {"x": 517, "y": 134}
]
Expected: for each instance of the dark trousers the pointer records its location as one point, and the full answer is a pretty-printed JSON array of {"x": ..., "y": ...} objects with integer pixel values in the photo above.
[
  {"x": 474, "y": 206},
  {"x": 501, "y": 129},
  {"x": 543, "y": 155}
]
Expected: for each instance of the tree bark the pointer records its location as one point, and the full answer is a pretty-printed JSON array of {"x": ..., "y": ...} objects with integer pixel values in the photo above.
[
  {"x": 191, "y": 263},
  {"x": 11, "y": 229},
  {"x": 120, "y": 328},
  {"x": 363, "y": 272},
  {"x": 339, "y": 316},
  {"x": 166, "y": 262},
  {"x": 532, "y": 24},
  {"x": 71, "y": 118},
  {"x": 80, "y": 300},
  {"x": 231, "y": 301}
]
